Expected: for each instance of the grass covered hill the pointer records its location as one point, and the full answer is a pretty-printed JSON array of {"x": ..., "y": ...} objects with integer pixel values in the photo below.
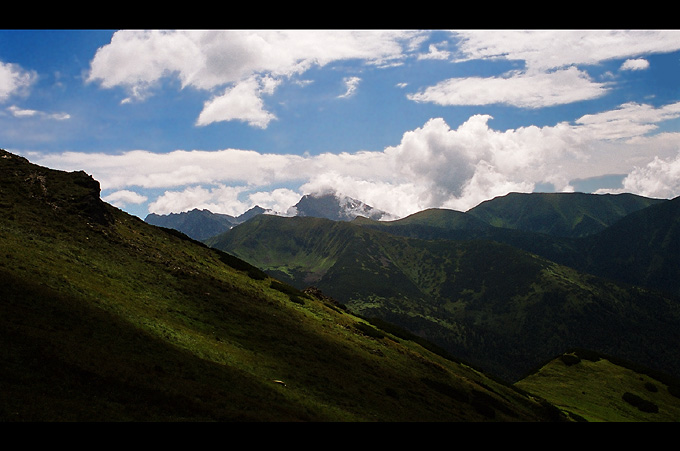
[
  {"x": 638, "y": 248},
  {"x": 106, "y": 318},
  {"x": 559, "y": 214},
  {"x": 598, "y": 388},
  {"x": 499, "y": 307}
]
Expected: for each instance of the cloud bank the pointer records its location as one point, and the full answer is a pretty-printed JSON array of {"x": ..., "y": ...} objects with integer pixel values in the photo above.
[{"x": 432, "y": 166}]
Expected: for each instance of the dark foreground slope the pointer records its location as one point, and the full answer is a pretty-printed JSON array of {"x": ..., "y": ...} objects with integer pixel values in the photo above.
[
  {"x": 106, "y": 318},
  {"x": 497, "y": 306}
]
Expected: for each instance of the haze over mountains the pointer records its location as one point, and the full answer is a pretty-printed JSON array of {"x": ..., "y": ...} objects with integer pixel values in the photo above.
[
  {"x": 104, "y": 317},
  {"x": 203, "y": 224}
]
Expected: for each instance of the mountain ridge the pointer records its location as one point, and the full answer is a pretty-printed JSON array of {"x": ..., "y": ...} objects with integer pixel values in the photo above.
[
  {"x": 568, "y": 215},
  {"x": 204, "y": 224},
  {"x": 104, "y": 317},
  {"x": 441, "y": 281},
  {"x": 559, "y": 214},
  {"x": 201, "y": 224}
]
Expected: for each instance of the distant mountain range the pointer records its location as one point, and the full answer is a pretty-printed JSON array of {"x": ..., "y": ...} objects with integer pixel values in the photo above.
[
  {"x": 565, "y": 270},
  {"x": 203, "y": 224}
]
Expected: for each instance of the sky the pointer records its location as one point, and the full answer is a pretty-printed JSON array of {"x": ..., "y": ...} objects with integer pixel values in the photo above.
[{"x": 403, "y": 120}]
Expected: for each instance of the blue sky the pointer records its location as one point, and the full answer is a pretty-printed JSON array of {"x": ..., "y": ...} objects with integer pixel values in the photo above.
[{"x": 171, "y": 120}]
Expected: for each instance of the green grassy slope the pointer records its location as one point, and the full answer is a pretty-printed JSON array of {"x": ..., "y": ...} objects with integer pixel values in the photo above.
[
  {"x": 639, "y": 248},
  {"x": 597, "y": 388},
  {"x": 496, "y": 306},
  {"x": 106, "y": 318},
  {"x": 559, "y": 214},
  {"x": 297, "y": 250}
]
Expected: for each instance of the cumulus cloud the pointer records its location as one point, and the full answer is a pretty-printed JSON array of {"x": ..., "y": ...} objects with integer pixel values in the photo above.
[
  {"x": 434, "y": 165},
  {"x": 525, "y": 90},
  {"x": 14, "y": 80},
  {"x": 125, "y": 197},
  {"x": 435, "y": 53},
  {"x": 218, "y": 199},
  {"x": 278, "y": 200},
  {"x": 164, "y": 170},
  {"x": 231, "y": 59},
  {"x": 660, "y": 178},
  {"x": 238, "y": 67},
  {"x": 243, "y": 102},
  {"x": 635, "y": 64}
]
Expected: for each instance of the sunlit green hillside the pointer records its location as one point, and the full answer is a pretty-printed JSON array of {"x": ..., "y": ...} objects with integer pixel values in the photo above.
[{"x": 597, "y": 388}]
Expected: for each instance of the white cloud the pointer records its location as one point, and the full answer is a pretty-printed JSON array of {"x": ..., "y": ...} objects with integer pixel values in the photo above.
[
  {"x": 278, "y": 200},
  {"x": 635, "y": 64},
  {"x": 660, "y": 178},
  {"x": 542, "y": 50},
  {"x": 178, "y": 168},
  {"x": 526, "y": 90},
  {"x": 435, "y": 54},
  {"x": 14, "y": 80},
  {"x": 124, "y": 198},
  {"x": 351, "y": 84},
  {"x": 23, "y": 113},
  {"x": 432, "y": 166},
  {"x": 550, "y": 76},
  {"x": 246, "y": 64},
  {"x": 243, "y": 102},
  {"x": 627, "y": 121},
  {"x": 231, "y": 200},
  {"x": 206, "y": 60},
  {"x": 219, "y": 199}
]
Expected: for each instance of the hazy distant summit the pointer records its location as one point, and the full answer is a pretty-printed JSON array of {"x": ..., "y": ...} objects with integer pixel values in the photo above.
[
  {"x": 336, "y": 207},
  {"x": 203, "y": 224}
]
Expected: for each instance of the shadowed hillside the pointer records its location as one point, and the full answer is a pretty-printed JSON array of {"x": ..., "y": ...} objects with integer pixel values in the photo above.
[{"x": 106, "y": 318}]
